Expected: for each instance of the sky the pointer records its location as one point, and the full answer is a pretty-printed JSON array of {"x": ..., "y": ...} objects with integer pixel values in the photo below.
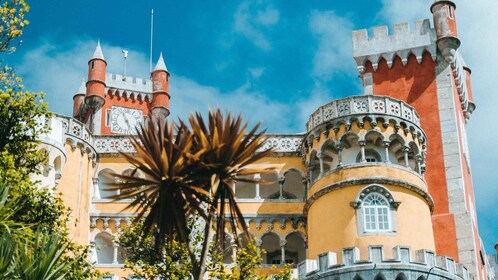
[{"x": 272, "y": 61}]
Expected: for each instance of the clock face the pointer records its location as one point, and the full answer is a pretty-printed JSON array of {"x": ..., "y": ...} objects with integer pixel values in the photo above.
[{"x": 125, "y": 120}]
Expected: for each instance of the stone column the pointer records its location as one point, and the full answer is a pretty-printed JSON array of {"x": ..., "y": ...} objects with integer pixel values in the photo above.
[
  {"x": 96, "y": 192},
  {"x": 257, "y": 177},
  {"x": 115, "y": 253},
  {"x": 419, "y": 164},
  {"x": 258, "y": 242},
  {"x": 386, "y": 149},
  {"x": 362, "y": 150},
  {"x": 405, "y": 152},
  {"x": 281, "y": 180},
  {"x": 339, "y": 155},
  {"x": 320, "y": 158},
  {"x": 283, "y": 242},
  {"x": 93, "y": 252}
]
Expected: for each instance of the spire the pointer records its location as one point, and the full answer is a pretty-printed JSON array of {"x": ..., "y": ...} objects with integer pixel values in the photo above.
[
  {"x": 160, "y": 65},
  {"x": 98, "y": 52},
  {"x": 82, "y": 88}
]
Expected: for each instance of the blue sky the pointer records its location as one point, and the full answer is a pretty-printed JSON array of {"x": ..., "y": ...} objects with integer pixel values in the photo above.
[{"x": 272, "y": 61}]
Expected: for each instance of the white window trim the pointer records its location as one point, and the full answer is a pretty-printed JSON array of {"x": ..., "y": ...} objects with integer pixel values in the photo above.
[{"x": 358, "y": 204}]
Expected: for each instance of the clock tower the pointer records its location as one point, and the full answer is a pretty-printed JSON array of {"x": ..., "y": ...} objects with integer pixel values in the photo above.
[{"x": 110, "y": 104}]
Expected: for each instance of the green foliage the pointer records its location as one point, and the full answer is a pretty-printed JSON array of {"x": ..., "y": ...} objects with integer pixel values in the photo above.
[
  {"x": 247, "y": 262},
  {"x": 144, "y": 260},
  {"x": 12, "y": 14},
  {"x": 34, "y": 241}
]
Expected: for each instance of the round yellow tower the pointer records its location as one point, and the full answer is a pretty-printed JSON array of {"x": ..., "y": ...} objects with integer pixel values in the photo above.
[{"x": 366, "y": 159}]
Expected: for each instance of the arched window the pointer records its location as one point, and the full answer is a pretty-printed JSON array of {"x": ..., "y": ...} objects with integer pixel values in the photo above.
[
  {"x": 370, "y": 156},
  {"x": 376, "y": 213},
  {"x": 105, "y": 248}
]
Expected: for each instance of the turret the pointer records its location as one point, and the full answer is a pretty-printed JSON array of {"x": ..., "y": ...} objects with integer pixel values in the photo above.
[
  {"x": 95, "y": 86},
  {"x": 443, "y": 12},
  {"x": 160, "y": 88},
  {"x": 78, "y": 100}
]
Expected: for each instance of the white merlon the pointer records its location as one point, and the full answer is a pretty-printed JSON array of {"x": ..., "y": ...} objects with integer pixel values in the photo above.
[
  {"x": 402, "y": 43},
  {"x": 160, "y": 65},
  {"x": 132, "y": 84},
  {"x": 98, "y": 54},
  {"x": 425, "y": 262}
]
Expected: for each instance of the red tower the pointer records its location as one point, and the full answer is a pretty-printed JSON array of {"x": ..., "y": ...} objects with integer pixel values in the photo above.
[
  {"x": 95, "y": 86},
  {"x": 160, "y": 89},
  {"x": 423, "y": 67}
]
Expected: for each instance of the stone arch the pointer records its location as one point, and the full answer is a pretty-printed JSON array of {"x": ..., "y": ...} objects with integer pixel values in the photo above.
[
  {"x": 243, "y": 239},
  {"x": 380, "y": 276},
  {"x": 105, "y": 248},
  {"x": 245, "y": 190},
  {"x": 350, "y": 147},
  {"x": 58, "y": 166},
  {"x": 106, "y": 180},
  {"x": 357, "y": 277},
  {"x": 396, "y": 146},
  {"x": 413, "y": 154},
  {"x": 226, "y": 248},
  {"x": 270, "y": 243},
  {"x": 314, "y": 165},
  {"x": 293, "y": 187},
  {"x": 421, "y": 277},
  {"x": 329, "y": 155},
  {"x": 401, "y": 276},
  {"x": 269, "y": 187},
  {"x": 295, "y": 248}
]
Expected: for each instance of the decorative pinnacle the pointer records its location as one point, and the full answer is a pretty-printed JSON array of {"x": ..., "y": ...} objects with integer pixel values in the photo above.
[
  {"x": 82, "y": 88},
  {"x": 98, "y": 52},
  {"x": 160, "y": 65}
]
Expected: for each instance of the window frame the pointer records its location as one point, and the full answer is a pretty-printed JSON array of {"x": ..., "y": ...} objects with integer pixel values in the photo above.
[{"x": 390, "y": 206}]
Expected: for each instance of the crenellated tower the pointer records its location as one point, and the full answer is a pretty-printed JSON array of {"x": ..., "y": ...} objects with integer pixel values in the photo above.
[
  {"x": 423, "y": 67},
  {"x": 116, "y": 104}
]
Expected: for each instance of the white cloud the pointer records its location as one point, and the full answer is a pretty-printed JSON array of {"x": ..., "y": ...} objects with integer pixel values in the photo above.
[
  {"x": 57, "y": 70},
  {"x": 476, "y": 27},
  {"x": 252, "y": 19},
  {"x": 333, "y": 53}
]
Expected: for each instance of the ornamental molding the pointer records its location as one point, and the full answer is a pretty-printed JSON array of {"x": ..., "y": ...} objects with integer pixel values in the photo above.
[
  {"x": 111, "y": 146},
  {"x": 367, "y": 181},
  {"x": 270, "y": 219},
  {"x": 360, "y": 109}
]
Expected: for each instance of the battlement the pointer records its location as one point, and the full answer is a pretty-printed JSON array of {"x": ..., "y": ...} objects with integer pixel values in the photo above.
[
  {"x": 402, "y": 43},
  {"x": 400, "y": 267},
  {"x": 129, "y": 83}
]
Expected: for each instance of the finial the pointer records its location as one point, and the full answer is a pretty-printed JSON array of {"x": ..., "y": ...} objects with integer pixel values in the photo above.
[
  {"x": 98, "y": 52},
  {"x": 160, "y": 65},
  {"x": 82, "y": 88}
]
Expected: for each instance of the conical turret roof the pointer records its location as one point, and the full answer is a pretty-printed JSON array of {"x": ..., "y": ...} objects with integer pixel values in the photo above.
[
  {"x": 98, "y": 54},
  {"x": 82, "y": 88},
  {"x": 160, "y": 65}
]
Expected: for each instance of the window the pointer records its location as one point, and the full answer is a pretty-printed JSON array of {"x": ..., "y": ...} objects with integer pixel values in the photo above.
[
  {"x": 108, "y": 117},
  {"x": 450, "y": 11},
  {"x": 376, "y": 213},
  {"x": 93, "y": 64},
  {"x": 370, "y": 156}
]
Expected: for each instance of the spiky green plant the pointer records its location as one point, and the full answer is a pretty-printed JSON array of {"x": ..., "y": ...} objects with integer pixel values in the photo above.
[{"x": 192, "y": 171}]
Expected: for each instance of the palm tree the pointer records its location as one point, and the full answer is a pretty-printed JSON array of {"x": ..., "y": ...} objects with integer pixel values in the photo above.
[
  {"x": 192, "y": 171},
  {"x": 27, "y": 255}
]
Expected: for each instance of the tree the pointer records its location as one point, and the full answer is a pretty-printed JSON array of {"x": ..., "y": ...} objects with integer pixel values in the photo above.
[
  {"x": 34, "y": 241},
  {"x": 192, "y": 171}
]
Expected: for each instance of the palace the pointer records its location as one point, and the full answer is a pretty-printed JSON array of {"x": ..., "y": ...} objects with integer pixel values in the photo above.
[{"x": 378, "y": 187}]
